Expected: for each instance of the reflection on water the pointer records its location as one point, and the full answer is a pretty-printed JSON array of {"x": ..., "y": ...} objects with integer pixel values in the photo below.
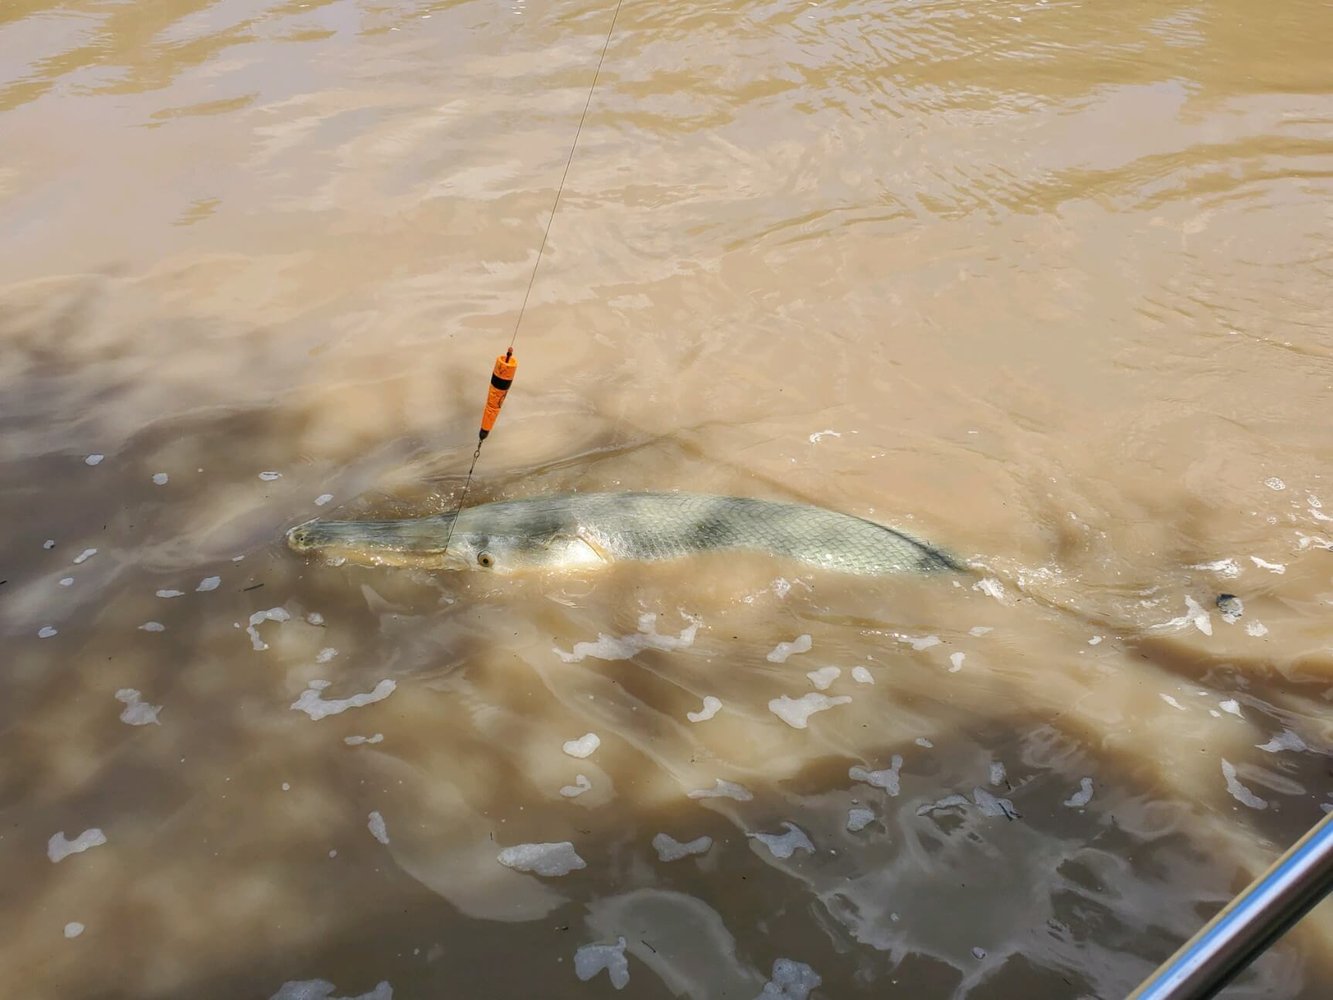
[{"x": 1041, "y": 281}]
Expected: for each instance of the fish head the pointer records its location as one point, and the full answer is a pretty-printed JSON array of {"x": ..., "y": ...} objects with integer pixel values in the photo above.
[
  {"x": 506, "y": 537},
  {"x": 415, "y": 543},
  {"x": 475, "y": 542},
  {"x": 493, "y": 549},
  {"x": 478, "y": 550}
]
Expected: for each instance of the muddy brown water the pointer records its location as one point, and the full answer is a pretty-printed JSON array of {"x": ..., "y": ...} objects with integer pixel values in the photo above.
[{"x": 1046, "y": 282}]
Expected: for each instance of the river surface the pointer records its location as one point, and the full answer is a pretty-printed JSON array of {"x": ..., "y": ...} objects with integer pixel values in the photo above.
[{"x": 1044, "y": 282}]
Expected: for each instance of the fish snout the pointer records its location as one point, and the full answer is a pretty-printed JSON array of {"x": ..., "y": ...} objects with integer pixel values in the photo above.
[{"x": 302, "y": 537}]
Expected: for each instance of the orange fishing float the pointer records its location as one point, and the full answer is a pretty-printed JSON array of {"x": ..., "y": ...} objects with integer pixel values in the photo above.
[{"x": 502, "y": 377}]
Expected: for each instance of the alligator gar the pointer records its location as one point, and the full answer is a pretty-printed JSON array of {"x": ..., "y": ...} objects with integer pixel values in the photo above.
[{"x": 593, "y": 529}]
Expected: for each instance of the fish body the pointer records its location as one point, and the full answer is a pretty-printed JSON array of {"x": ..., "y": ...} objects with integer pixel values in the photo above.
[{"x": 576, "y": 530}]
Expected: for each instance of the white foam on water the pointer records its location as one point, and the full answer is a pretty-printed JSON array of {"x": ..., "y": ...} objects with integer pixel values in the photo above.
[
  {"x": 591, "y": 959},
  {"x": 858, "y": 819},
  {"x": 624, "y": 647},
  {"x": 67, "y": 581},
  {"x": 581, "y": 785},
  {"x": 268, "y": 477},
  {"x": 887, "y": 779},
  {"x": 817, "y": 436},
  {"x": 170, "y": 593},
  {"x": 784, "y": 845},
  {"x": 160, "y": 478},
  {"x": 1256, "y": 629},
  {"x": 997, "y": 773},
  {"x": 58, "y": 848},
  {"x": 990, "y": 587},
  {"x": 921, "y": 741},
  {"x": 1232, "y": 706},
  {"x": 137, "y": 712},
  {"x": 271, "y": 615},
  {"x": 862, "y": 676},
  {"x": 1277, "y": 568},
  {"x": 824, "y": 677},
  {"x": 919, "y": 643},
  {"x": 977, "y": 631},
  {"x": 722, "y": 790},
  {"x": 1285, "y": 740},
  {"x": 992, "y": 806},
  {"x": 322, "y": 499},
  {"x": 542, "y": 859},
  {"x": 304, "y": 989},
  {"x": 582, "y": 747},
  {"x": 208, "y": 583},
  {"x": 1171, "y": 701},
  {"x": 796, "y": 712},
  {"x": 356, "y": 741},
  {"x": 1238, "y": 791},
  {"x": 1201, "y": 619},
  {"x": 783, "y": 650},
  {"x": 1095, "y": 640},
  {"x": 948, "y": 802},
  {"x": 1194, "y": 615},
  {"x": 325, "y": 654},
  {"x": 1273, "y": 483},
  {"x": 375, "y": 824},
  {"x": 1228, "y": 569},
  {"x": 94, "y": 459},
  {"x": 320, "y": 989},
  {"x": 781, "y": 586},
  {"x": 670, "y": 849},
  {"x": 315, "y": 618},
  {"x": 790, "y": 980},
  {"x": 47, "y": 631},
  {"x": 711, "y": 707},
  {"x": 312, "y": 704},
  {"x": 152, "y": 627},
  {"x": 73, "y": 929},
  {"x": 84, "y": 556},
  {"x": 956, "y": 661},
  {"x": 1082, "y": 797},
  {"x": 1318, "y": 541}
]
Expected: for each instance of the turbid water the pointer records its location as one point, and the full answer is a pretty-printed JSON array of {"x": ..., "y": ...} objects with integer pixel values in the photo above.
[{"x": 1043, "y": 283}]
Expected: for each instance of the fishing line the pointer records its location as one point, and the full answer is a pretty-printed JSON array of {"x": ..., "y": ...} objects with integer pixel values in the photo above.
[
  {"x": 506, "y": 365},
  {"x": 560, "y": 189}
]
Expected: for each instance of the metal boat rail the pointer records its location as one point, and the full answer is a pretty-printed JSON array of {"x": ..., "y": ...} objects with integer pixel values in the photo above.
[{"x": 1250, "y": 923}]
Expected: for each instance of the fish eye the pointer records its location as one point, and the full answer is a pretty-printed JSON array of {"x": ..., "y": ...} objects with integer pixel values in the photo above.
[{"x": 485, "y": 559}]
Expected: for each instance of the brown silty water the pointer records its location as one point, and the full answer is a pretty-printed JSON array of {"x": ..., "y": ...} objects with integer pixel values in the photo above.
[{"x": 1046, "y": 283}]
